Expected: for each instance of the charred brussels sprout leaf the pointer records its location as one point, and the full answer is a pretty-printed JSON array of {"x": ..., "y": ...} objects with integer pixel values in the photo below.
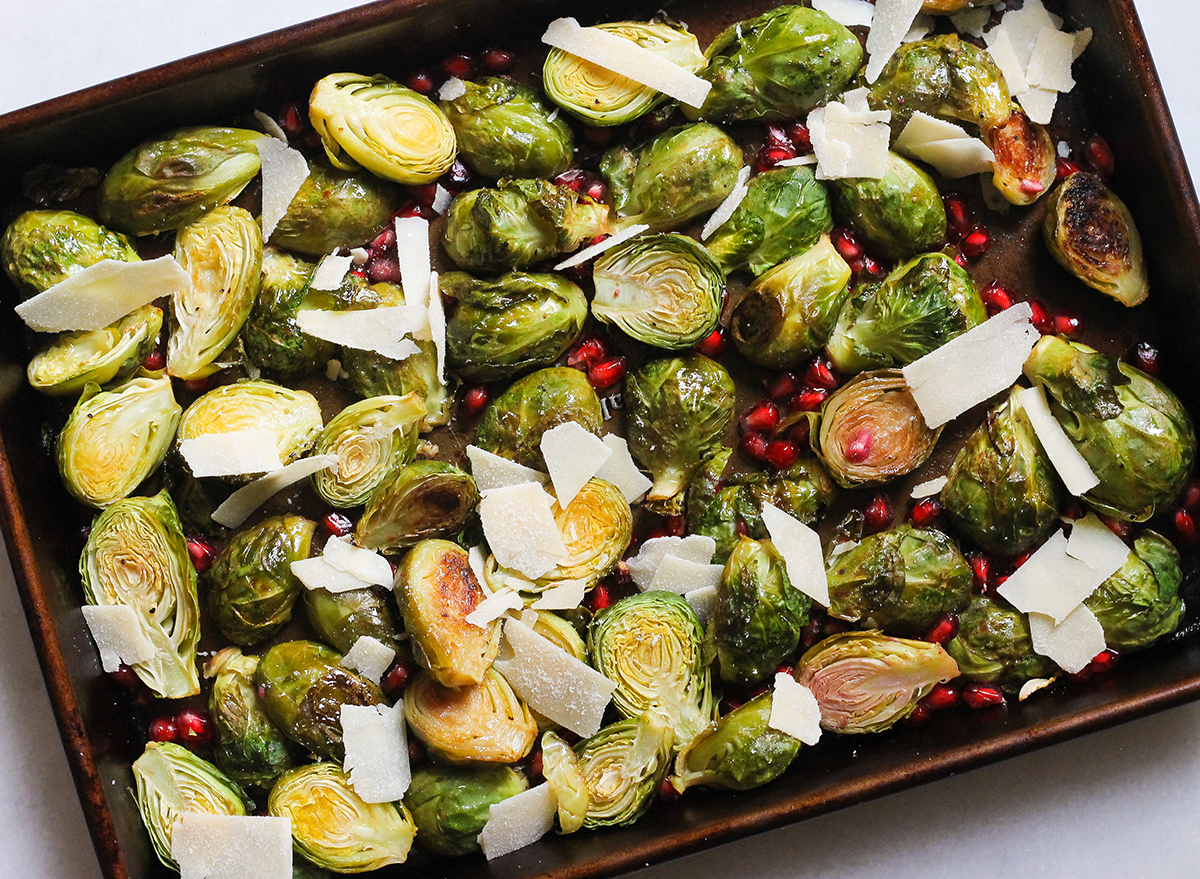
[
  {"x": 271, "y": 337},
  {"x": 513, "y": 424},
  {"x": 424, "y": 499},
  {"x": 1140, "y": 603},
  {"x": 249, "y": 748},
  {"x": 739, "y": 752},
  {"x": 41, "y": 248},
  {"x": 622, "y": 766},
  {"x": 372, "y": 439},
  {"x": 900, "y": 214},
  {"x": 71, "y": 361},
  {"x": 993, "y": 645},
  {"x": 341, "y": 618},
  {"x": 484, "y": 722},
  {"x": 334, "y": 209},
  {"x": 450, "y": 804}
]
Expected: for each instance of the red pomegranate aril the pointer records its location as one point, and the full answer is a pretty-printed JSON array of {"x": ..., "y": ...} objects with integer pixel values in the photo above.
[
  {"x": 714, "y": 344},
  {"x": 996, "y": 298},
  {"x": 770, "y": 157},
  {"x": 943, "y": 630},
  {"x": 820, "y": 374},
  {"x": 754, "y": 446},
  {"x": 1185, "y": 527},
  {"x": 411, "y": 209},
  {"x": 1189, "y": 498},
  {"x": 198, "y": 385},
  {"x": 458, "y": 177},
  {"x": 607, "y": 373},
  {"x": 977, "y": 695},
  {"x": 925, "y": 512},
  {"x": 976, "y": 243},
  {"x": 801, "y": 137},
  {"x": 809, "y": 399},
  {"x": 777, "y": 136},
  {"x": 1020, "y": 560},
  {"x": 416, "y": 751},
  {"x": 381, "y": 269},
  {"x": 573, "y": 179},
  {"x": 961, "y": 259},
  {"x": 785, "y": 669},
  {"x": 1118, "y": 527},
  {"x": 1100, "y": 156},
  {"x": 337, "y": 524},
  {"x": 201, "y": 552},
  {"x": 942, "y": 696},
  {"x": 195, "y": 727},
  {"x": 398, "y": 676},
  {"x": 781, "y": 454},
  {"x": 1145, "y": 358},
  {"x": 919, "y": 716},
  {"x": 163, "y": 729},
  {"x": 1067, "y": 323},
  {"x": 878, "y": 515},
  {"x": 384, "y": 241},
  {"x": 291, "y": 119},
  {"x": 597, "y": 190},
  {"x": 1041, "y": 318},
  {"x": 598, "y": 598},
  {"x": 762, "y": 418},
  {"x": 675, "y": 526},
  {"x": 858, "y": 449},
  {"x": 811, "y": 634},
  {"x": 424, "y": 194},
  {"x": 459, "y": 64},
  {"x": 126, "y": 677},
  {"x": 1064, "y": 168},
  {"x": 420, "y": 81},
  {"x": 1073, "y": 510},
  {"x": 981, "y": 568},
  {"x": 1104, "y": 661},
  {"x": 867, "y": 266},
  {"x": 474, "y": 401},
  {"x": 782, "y": 387},
  {"x": 667, "y": 792},
  {"x": 587, "y": 351},
  {"x": 798, "y": 432},
  {"x": 155, "y": 360},
  {"x": 958, "y": 216},
  {"x": 846, "y": 244},
  {"x": 497, "y": 60}
]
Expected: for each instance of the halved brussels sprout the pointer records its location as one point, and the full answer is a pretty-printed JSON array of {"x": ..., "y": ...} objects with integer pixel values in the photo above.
[
  {"x": 251, "y": 588},
  {"x": 900, "y": 214},
  {"x": 513, "y": 424},
  {"x": 562, "y": 772},
  {"x": 871, "y": 430},
  {"x": 115, "y": 439},
  {"x": 341, "y": 618},
  {"x": 388, "y": 129},
  {"x": 372, "y": 439},
  {"x": 222, "y": 252},
  {"x": 136, "y": 555},
  {"x": 450, "y": 804},
  {"x": 425, "y": 499},
  {"x": 270, "y": 336},
  {"x": 168, "y": 183},
  {"x": 69, "y": 362},
  {"x": 866, "y": 682},
  {"x": 789, "y": 312},
  {"x": 623, "y": 765},
  {"x": 41, "y": 248},
  {"x": 171, "y": 781},
  {"x": 248, "y": 747},
  {"x": 665, "y": 290},
  {"x": 1091, "y": 234},
  {"x": 335, "y": 208},
  {"x": 738, "y": 752},
  {"x": 601, "y": 97},
  {"x": 436, "y": 589},
  {"x": 993, "y": 646},
  {"x": 333, "y": 827},
  {"x": 498, "y": 328},
  {"x": 1140, "y": 603},
  {"x": 1026, "y": 158},
  {"x": 484, "y": 722}
]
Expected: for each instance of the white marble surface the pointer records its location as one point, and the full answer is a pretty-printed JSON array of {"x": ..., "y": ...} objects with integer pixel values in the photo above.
[{"x": 1119, "y": 803}]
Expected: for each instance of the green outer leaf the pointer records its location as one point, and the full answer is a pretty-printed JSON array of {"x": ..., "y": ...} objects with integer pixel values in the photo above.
[
  {"x": 900, "y": 214},
  {"x": 993, "y": 645},
  {"x": 738, "y": 752},
  {"x": 1140, "y": 603},
  {"x": 41, "y": 248}
]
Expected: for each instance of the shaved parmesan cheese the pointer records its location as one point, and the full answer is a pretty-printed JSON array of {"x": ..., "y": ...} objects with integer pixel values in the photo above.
[
  {"x": 333, "y": 369},
  {"x": 971, "y": 21},
  {"x": 1052, "y": 582},
  {"x": 118, "y": 635},
  {"x": 847, "y": 12},
  {"x": 855, "y": 101},
  {"x": 794, "y": 710},
  {"x": 726, "y": 208},
  {"x": 1064, "y": 149},
  {"x": 930, "y": 488},
  {"x": 376, "y": 751},
  {"x": 370, "y": 657},
  {"x": 250, "y": 497},
  {"x": 1039, "y": 105},
  {"x": 317, "y": 573},
  {"x": 553, "y": 682},
  {"x": 518, "y": 821},
  {"x": 693, "y": 548},
  {"x": 477, "y": 560},
  {"x": 330, "y": 272},
  {"x": 956, "y": 158},
  {"x": 369, "y": 329},
  {"x": 921, "y": 27},
  {"x": 452, "y": 89},
  {"x": 1031, "y": 686},
  {"x": 573, "y": 456},
  {"x": 437, "y": 325},
  {"x": 893, "y": 19},
  {"x": 599, "y": 247},
  {"x": 1083, "y": 39},
  {"x": 235, "y": 453},
  {"x": 627, "y": 58},
  {"x": 810, "y": 159},
  {"x": 94, "y": 297},
  {"x": 365, "y": 564},
  {"x": 494, "y": 606},
  {"x": 703, "y": 602},
  {"x": 923, "y": 128},
  {"x": 972, "y": 367},
  {"x": 284, "y": 171},
  {"x": 359, "y": 256},
  {"x": 1076, "y": 474},
  {"x": 1000, "y": 47},
  {"x": 412, "y": 249},
  {"x": 1022, "y": 27},
  {"x": 621, "y": 470},
  {"x": 849, "y": 143},
  {"x": 842, "y": 548},
  {"x": 1093, "y": 543},
  {"x": 682, "y": 576},
  {"x": 1073, "y": 643},
  {"x": 208, "y": 846},
  {"x": 520, "y": 529},
  {"x": 800, "y": 547},
  {"x": 270, "y": 126},
  {"x": 495, "y": 471},
  {"x": 567, "y": 595},
  {"x": 441, "y": 199}
]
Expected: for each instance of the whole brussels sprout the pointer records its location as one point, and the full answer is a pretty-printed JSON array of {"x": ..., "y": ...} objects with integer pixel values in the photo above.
[
  {"x": 222, "y": 252},
  {"x": 759, "y": 615},
  {"x": 1025, "y": 158},
  {"x": 519, "y": 223},
  {"x": 900, "y": 214},
  {"x": 251, "y": 587},
  {"x": 1140, "y": 603},
  {"x": 425, "y": 499},
  {"x": 484, "y": 722},
  {"x": 341, "y": 618},
  {"x": 784, "y": 212},
  {"x": 778, "y": 65},
  {"x": 664, "y": 290},
  {"x": 504, "y": 130},
  {"x": 248, "y": 747},
  {"x": 499, "y": 328},
  {"x": 920, "y": 306},
  {"x": 1133, "y": 432},
  {"x": 136, "y": 555},
  {"x": 1091, "y": 234},
  {"x": 372, "y": 439},
  {"x": 41, "y": 248},
  {"x": 335, "y": 208},
  {"x": 115, "y": 439},
  {"x": 600, "y": 97},
  {"x": 513, "y": 423},
  {"x": 789, "y": 312},
  {"x": 168, "y": 183},
  {"x": 866, "y": 682},
  {"x": 676, "y": 177},
  {"x": 333, "y": 827},
  {"x": 71, "y": 361},
  {"x": 386, "y": 128},
  {"x": 622, "y": 766},
  {"x": 1002, "y": 492},
  {"x": 738, "y": 752},
  {"x": 993, "y": 645},
  {"x": 679, "y": 410},
  {"x": 560, "y": 767},
  {"x": 450, "y": 804},
  {"x": 271, "y": 336}
]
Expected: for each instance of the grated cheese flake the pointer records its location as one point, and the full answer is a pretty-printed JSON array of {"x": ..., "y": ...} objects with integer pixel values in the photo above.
[
  {"x": 208, "y": 846},
  {"x": 930, "y": 488},
  {"x": 621, "y": 470},
  {"x": 920, "y": 29},
  {"x": 441, "y": 199},
  {"x": 693, "y": 548},
  {"x": 849, "y": 143},
  {"x": 1051, "y": 582},
  {"x": 477, "y": 560},
  {"x": 1075, "y": 471},
  {"x": 800, "y": 547},
  {"x": 956, "y": 158},
  {"x": 520, "y": 529},
  {"x": 703, "y": 602},
  {"x": 518, "y": 821},
  {"x": 567, "y": 595},
  {"x": 270, "y": 126},
  {"x": 239, "y": 505},
  {"x": 794, "y": 710},
  {"x": 235, "y": 453},
  {"x": 847, "y": 12},
  {"x": 330, "y": 272},
  {"x": 370, "y": 329},
  {"x": 118, "y": 634},
  {"x": 376, "y": 751},
  {"x": 726, "y": 208},
  {"x": 599, "y": 247},
  {"x": 1072, "y": 643},
  {"x": 452, "y": 89},
  {"x": 573, "y": 455},
  {"x": 412, "y": 250},
  {"x": 492, "y": 471},
  {"x": 1001, "y": 49},
  {"x": 370, "y": 657},
  {"x": 893, "y": 19},
  {"x": 809, "y": 159},
  {"x": 284, "y": 171},
  {"x": 365, "y": 564},
  {"x": 494, "y": 606},
  {"x": 682, "y": 576},
  {"x": 317, "y": 573}
]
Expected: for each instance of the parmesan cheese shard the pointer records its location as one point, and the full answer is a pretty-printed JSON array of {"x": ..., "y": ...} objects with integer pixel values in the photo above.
[
  {"x": 627, "y": 58},
  {"x": 703, "y": 602},
  {"x": 1001, "y": 49},
  {"x": 849, "y": 143},
  {"x": 893, "y": 19},
  {"x": 847, "y": 12},
  {"x": 582, "y": 256},
  {"x": 376, "y": 751},
  {"x": 452, "y": 89},
  {"x": 437, "y": 325},
  {"x": 270, "y": 126},
  {"x": 693, "y": 548},
  {"x": 370, "y": 657},
  {"x": 726, "y": 208},
  {"x": 1075, "y": 471},
  {"x": 800, "y": 547},
  {"x": 1094, "y": 544},
  {"x": 518, "y": 821},
  {"x": 317, "y": 573},
  {"x": 809, "y": 159},
  {"x": 208, "y": 846},
  {"x": 494, "y": 606},
  {"x": 235, "y": 453},
  {"x": 956, "y": 158},
  {"x": 1039, "y": 105},
  {"x": 682, "y": 576},
  {"x": 573, "y": 455},
  {"x": 477, "y": 560},
  {"x": 553, "y": 682},
  {"x": 1072, "y": 643},
  {"x": 412, "y": 250},
  {"x": 441, "y": 199},
  {"x": 794, "y": 710},
  {"x": 118, "y": 635},
  {"x": 920, "y": 29},
  {"x": 567, "y": 595},
  {"x": 249, "y": 498},
  {"x": 520, "y": 529},
  {"x": 365, "y": 564},
  {"x": 492, "y": 471},
  {"x": 330, "y": 272},
  {"x": 104, "y": 292},
  {"x": 284, "y": 171},
  {"x": 971, "y": 21},
  {"x": 1052, "y": 582},
  {"x": 930, "y": 488},
  {"x": 973, "y": 367},
  {"x": 621, "y": 470},
  {"x": 370, "y": 329}
]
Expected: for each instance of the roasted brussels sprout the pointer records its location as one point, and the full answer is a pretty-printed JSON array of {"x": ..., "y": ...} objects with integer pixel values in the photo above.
[
  {"x": 789, "y": 312},
  {"x": 335, "y": 209},
  {"x": 601, "y": 97},
  {"x": 900, "y": 214},
  {"x": 739, "y": 751},
  {"x": 560, "y": 767},
  {"x": 1002, "y": 493},
  {"x": 499, "y": 328},
  {"x": 425, "y": 499},
  {"x": 504, "y": 130},
  {"x": 222, "y": 252},
  {"x": 778, "y": 65},
  {"x": 513, "y": 424},
  {"x": 450, "y": 804},
  {"x": 303, "y": 687},
  {"x": 251, "y": 588},
  {"x": 1091, "y": 234},
  {"x": 333, "y": 827},
  {"x": 69, "y": 362},
  {"x": 1140, "y": 603},
  {"x": 622, "y": 766},
  {"x": 436, "y": 589},
  {"x": 136, "y": 555},
  {"x": 115, "y": 439},
  {"x": 1133, "y": 432},
  {"x": 664, "y": 290},
  {"x": 270, "y": 336},
  {"x": 1025, "y": 158},
  {"x": 372, "y": 439},
  {"x": 993, "y": 645},
  {"x": 388, "y": 129},
  {"x": 866, "y": 682},
  {"x": 41, "y": 248},
  {"x": 484, "y": 722},
  {"x": 920, "y": 306},
  {"x": 168, "y": 183},
  {"x": 248, "y": 747},
  {"x": 784, "y": 212},
  {"x": 950, "y": 7},
  {"x": 341, "y": 618},
  {"x": 679, "y": 410},
  {"x": 519, "y": 223},
  {"x": 673, "y": 178}
]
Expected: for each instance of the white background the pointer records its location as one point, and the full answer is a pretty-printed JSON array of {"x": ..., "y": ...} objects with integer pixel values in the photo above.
[{"x": 1121, "y": 803}]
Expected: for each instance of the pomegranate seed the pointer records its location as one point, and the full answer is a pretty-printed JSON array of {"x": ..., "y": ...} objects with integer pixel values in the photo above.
[
  {"x": 412, "y": 209},
  {"x": 163, "y": 729},
  {"x": 1021, "y": 559},
  {"x": 676, "y": 526},
  {"x": 667, "y": 792},
  {"x": 777, "y": 136},
  {"x": 497, "y": 60},
  {"x": 425, "y": 195},
  {"x": 397, "y": 678},
  {"x": 607, "y": 373},
  {"x": 1104, "y": 661},
  {"x": 125, "y": 677},
  {"x": 1067, "y": 323},
  {"x": 781, "y": 454},
  {"x": 1145, "y": 358},
  {"x": 770, "y": 157},
  {"x": 1073, "y": 510},
  {"x": 977, "y": 695},
  {"x": 798, "y": 432},
  {"x": 1083, "y": 675},
  {"x": 1031, "y": 187},
  {"x": 1117, "y": 527},
  {"x": 536, "y": 766},
  {"x": 598, "y": 136},
  {"x": 809, "y": 399},
  {"x": 1100, "y": 157},
  {"x": 1185, "y": 527},
  {"x": 382, "y": 242},
  {"x": 198, "y": 385},
  {"x": 597, "y": 190},
  {"x": 782, "y": 387},
  {"x": 195, "y": 727},
  {"x": 785, "y": 670},
  {"x": 976, "y": 243},
  {"x": 878, "y": 513},
  {"x": 1064, "y": 168},
  {"x": 961, "y": 259},
  {"x": 958, "y": 216},
  {"x": 572, "y": 180},
  {"x": 416, "y": 751},
  {"x": 846, "y": 244},
  {"x": 942, "y": 696},
  {"x": 598, "y": 598},
  {"x": 811, "y": 634},
  {"x": 621, "y": 576},
  {"x": 858, "y": 449},
  {"x": 981, "y": 567},
  {"x": 459, "y": 64},
  {"x": 383, "y": 270},
  {"x": 1190, "y": 497},
  {"x": 458, "y": 177},
  {"x": 155, "y": 360},
  {"x": 202, "y": 553},
  {"x": 337, "y": 524},
  {"x": 587, "y": 351},
  {"x": 291, "y": 119},
  {"x": 762, "y": 418},
  {"x": 714, "y": 344},
  {"x": 754, "y": 445},
  {"x": 868, "y": 266},
  {"x": 820, "y": 374},
  {"x": 474, "y": 401},
  {"x": 420, "y": 81},
  {"x": 944, "y": 629},
  {"x": 1041, "y": 319},
  {"x": 919, "y": 716},
  {"x": 925, "y": 512},
  {"x": 996, "y": 298},
  {"x": 800, "y": 137}
]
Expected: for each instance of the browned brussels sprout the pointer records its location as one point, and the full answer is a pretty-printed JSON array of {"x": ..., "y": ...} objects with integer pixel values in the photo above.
[
  {"x": 1140, "y": 603},
  {"x": 424, "y": 499},
  {"x": 481, "y": 722},
  {"x": 993, "y": 645},
  {"x": 622, "y": 767},
  {"x": 513, "y": 424},
  {"x": 341, "y": 618},
  {"x": 335, "y": 209},
  {"x": 738, "y": 752},
  {"x": 372, "y": 439},
  {"x": 71, "y": 361},
  {"x": 249, "y": 748},
  {"x": 271, "y": 337}
]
